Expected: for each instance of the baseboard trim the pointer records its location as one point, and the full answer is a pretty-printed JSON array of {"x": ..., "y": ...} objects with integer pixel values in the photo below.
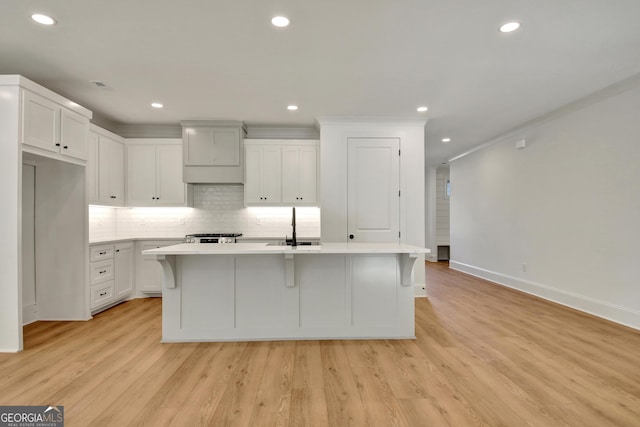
[{"x": 603, "y": 309}]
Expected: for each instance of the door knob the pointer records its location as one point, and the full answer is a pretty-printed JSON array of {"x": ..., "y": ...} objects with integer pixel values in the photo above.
[{"x": 351, "y": 236}]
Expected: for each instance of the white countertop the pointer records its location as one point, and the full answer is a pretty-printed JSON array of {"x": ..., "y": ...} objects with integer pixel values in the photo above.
[{"x": 263, "y": 248}]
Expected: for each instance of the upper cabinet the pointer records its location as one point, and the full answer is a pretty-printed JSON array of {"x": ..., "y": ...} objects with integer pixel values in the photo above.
[
  {"x": 300, "y": 175},
  {"x": 154, "y": 173},
  {"x": 281, "y": 172},
  {"x": 264, "y": 175},
  {"x": 105, "y": 168},
  {"x": 52, "y": 129},
  {"x": 213, "y": 151}
]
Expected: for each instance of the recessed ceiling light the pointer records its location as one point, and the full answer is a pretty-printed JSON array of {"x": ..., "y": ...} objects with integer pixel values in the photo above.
[
  {"x": 445, "y": 140},
  {"x": 509, "y": 27},
  {"x": 292, "y": 107},
  {"x": 156, "y": 105},
  {"x": 422, "y": 109},
  {"x": 43, "y": 19},
  {"x": 280, "y": 21}
]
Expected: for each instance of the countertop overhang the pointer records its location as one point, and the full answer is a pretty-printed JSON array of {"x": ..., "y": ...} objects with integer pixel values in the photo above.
[{"x": 263, "y": 248}]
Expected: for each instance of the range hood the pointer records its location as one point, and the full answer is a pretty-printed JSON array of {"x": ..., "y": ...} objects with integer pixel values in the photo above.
[{"x": 213, "y": 151}]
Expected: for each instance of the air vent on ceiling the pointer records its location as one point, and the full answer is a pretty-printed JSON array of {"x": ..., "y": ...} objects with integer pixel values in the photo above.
[{"x": 98, "y": 83}]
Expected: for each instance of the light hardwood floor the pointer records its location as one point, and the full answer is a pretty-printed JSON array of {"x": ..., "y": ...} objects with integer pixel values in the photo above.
[{"x": 484, "y": 355}]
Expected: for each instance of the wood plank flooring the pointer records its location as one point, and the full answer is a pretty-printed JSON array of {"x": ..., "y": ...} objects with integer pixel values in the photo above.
[{"x": 484, "y": 356}]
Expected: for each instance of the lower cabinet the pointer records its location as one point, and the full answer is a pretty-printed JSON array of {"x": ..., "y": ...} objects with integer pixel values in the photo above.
[
  {"x": 111, "y": 274},
  {"x": 149, "y": 275}
]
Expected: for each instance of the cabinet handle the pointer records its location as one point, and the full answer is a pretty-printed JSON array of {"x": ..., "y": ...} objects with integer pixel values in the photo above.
[
  {"x": 351, "y": 236},
  {"x": 102, "y": 272},
  {"x": 117, "y": 250},
  {"x": 153, "y": 198},
  {"x": 65, "y": 147},
  {"x": 57, "y": 144},
  {"x": 102, "y": 253},
  {"x": 103, "y": 293},
  {"x": 113, "y": 197}
]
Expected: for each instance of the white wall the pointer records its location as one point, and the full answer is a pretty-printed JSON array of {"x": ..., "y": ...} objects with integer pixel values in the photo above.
[
  {"x": 333, "y": 176},
  {"x": 567, "y": 206},
  {"x": 10, "y": 222}
]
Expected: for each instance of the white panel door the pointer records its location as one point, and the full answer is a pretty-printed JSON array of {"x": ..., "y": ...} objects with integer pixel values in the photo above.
[
  {"x": 41, "y": 118},
  {"x": 373, "y": 190},
  {"x": 141, "y": 175},
  {"x": 123, "y": 262},
  {"x": 169, "y": 175},
  {"x": 73, "y": 134}
]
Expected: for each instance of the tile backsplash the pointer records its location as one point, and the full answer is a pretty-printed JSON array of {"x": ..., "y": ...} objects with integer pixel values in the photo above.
[{"x": 217, "y": 208}]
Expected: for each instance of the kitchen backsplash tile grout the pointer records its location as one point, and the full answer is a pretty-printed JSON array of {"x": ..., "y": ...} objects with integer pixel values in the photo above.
[{"x": 217, "y": 208}]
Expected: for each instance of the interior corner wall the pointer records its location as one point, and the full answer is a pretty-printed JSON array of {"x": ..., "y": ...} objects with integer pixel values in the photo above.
[
  {"x": 10, "y": 222},
  {"x": 558, "y": 219}
]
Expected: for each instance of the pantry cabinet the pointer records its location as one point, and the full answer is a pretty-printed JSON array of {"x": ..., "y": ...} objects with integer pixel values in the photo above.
[
  {"x": 105, "y": 168},
  {"x": 52, "y": 128},
  {"x": 154, "y": 173},
  {"x": 281, "y": 172}
]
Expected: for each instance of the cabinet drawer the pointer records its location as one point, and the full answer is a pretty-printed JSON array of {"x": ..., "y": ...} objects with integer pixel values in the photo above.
[
  {"x": 99, "y": 253},
  {"x": 102, "y": 294},
  {"x": 101, "y": 271}
]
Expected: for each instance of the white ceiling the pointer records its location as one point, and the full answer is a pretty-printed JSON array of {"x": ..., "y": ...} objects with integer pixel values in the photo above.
[{"x": 222, "y": 59}]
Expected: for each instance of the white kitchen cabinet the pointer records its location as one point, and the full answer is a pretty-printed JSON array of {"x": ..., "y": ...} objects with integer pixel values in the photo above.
[
  {"x": 105, "y": 168},
  {"x": 149, "y": 274},
  {"x": 110, "y": 274},
  {"x": 300, "y": 175},
  {"x": 53, "y": 128},
  {"x": 124, "y": 269},
  {"x": 281, "y": 172},
  {"x": 263, "y": 181},
  {"x": 213, "y": 151},
  {"x": 154, "y": 173}
]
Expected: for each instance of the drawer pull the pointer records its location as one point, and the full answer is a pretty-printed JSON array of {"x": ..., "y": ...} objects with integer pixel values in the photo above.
[
  {"x": 102, "y": 294},
  {"x": 102, "y": 272},
  {"x": 102, "y": 253}
]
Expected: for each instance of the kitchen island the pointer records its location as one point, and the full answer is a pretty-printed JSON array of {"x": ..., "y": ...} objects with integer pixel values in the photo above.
[{"x": 254, "y": 291}]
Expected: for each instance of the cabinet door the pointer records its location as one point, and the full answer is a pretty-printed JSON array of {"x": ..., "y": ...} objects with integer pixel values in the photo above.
[
  {"x": 116, "y": 169},
  {"x": 308, "y": 176},
  {"x": 170, "y": 188},
  {"x": 272, "y": 175},
  {"x": 253, "y": 177},
  {"x": 149, "y": 271},
  {"x": 92, "y": 168},
  {"x": 111, "y": 174},
  {"x": 40, "y": 122},
  {"x": 290, "y": 175},
  {"x": 212, "y": 147},
  {"x": 73, "y": 134},
  {"x": 123, "y": 270},
  {"x": 141, "y": 175}
]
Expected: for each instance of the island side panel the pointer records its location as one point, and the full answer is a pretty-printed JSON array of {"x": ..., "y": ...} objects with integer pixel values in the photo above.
[{"x": 246, "y": 297}]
